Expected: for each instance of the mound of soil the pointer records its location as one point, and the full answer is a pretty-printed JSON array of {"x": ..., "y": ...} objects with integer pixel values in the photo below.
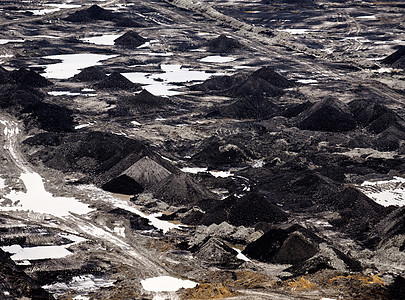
[
  {"x": 24, "y": 100},
  {"x": 29, "y": 78},
  {"x": 395, "y": 57},
  {"x": 136, "y": 222},
  {"x": 145, "y": 101},
  {"x": 130, "y": 40},
  {"x": 247, "y": 211},
  {"x": 17, "y": 283},
  {"x": 285, "y": 246},
  {"x": 376, "y": 117},
  {"x": 49, "y": 117},
  {"x": 218, "y": 83},
  {"x": 268, "y": 74},
  {"x": 91, "y": 153},
  {"x": 181, "y": 189},
  {"x": 295, "y": 109},
  {"x": 216, "y": 252},
  {"x": 116, "y": 81},
  {"x": 255, "y": 87},
  {"x": 5, "y": 76},
  {"x": 147, "y": 172},
  {"x": 91, "y": 14},
  {"x": 247, "y": 108},
  {"x": 327, "y": 115},
  {"x": 94, "y": 73},
  {"x": 123, "y": 185},
  {"x": 397, "y": 288},
  {"x": 223, "y": 44},
  {"x": 217, "y": 154},
  {"x": 264, "y": 82}
]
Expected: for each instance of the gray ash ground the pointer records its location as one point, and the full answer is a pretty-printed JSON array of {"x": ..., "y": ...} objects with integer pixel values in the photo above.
[{"x": 255, "y": 148}]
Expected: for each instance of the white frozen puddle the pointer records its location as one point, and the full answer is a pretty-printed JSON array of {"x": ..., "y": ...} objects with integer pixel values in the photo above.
[
  {"x": 307, "y": 81},
  {"x": 386, "y": 192},
  {"x": 106, "y": 40},
  {"x": 42, "y": 252},
  {"x": 160, "y": 83},
  {"x": 166, "y": 284},
  {"x": 71, "y": 64},
  {"x": 55, "y": 7},
  {"x": 214, "y": 173},
  {"x": 38, "y": 200},
  {"x": 295, "y": 30},
  {"x": 63, "y": 93},
  {"x": 240, "y": 255},
  {"x": 367, "y": 17},
  {"x": 5, "y": 41},
  {"x": 217, "y": 59}
]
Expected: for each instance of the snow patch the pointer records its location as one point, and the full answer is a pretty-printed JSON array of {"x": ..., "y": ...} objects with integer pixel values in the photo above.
[
  {"x": 385, "y": 192},
  {"x": 217, "y": 59},
  {"x": 166, "y": 284}
]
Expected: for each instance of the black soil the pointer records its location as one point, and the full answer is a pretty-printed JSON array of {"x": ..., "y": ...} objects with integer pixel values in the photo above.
[
  {"x": 123, "y": 185},
  {"x": 145, "y": 101},
  {"x": 91, "y": 14},
  {"x": 29, "y": 78},
  {"x": 18, "y": 284},
  {"x": 223, "y": 44},
  {"x": 395, "y": 57},
  {"x": 286, "y": 246},
  {"x": 116, "y": 81},
  {"x": 130, "y": 39},
  {"x": 94, "y": 73},
  {"x": 327, "y": 115}
]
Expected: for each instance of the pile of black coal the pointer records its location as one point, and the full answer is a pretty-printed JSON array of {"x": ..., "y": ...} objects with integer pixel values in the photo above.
[
  {"x": 264, "y": 82},
  {"x": 123, "y": 184},
  {"x": 136, "y": 222},
  {"x": 116, "y": 81},
  {"x": 246, "y": 210},
  {"x": 223, "y": 44},
  {"x": 130, "y": 39},
  {"x": 214, "y": 251},
  {"x": 181, "y": 189},
  {"x": 5, "y": 76},
  {"x": 146, "y": 101},
  {"x": 217, "y": 153},
  {"x": 396, "y": 59},
  {"x": 94, "y": 73},
  {"x": 327, "y": 115},
  {"x": 15, "y": 284},
  {"x": 91, "y": 14},
  {"x": 29, "y": 78}
]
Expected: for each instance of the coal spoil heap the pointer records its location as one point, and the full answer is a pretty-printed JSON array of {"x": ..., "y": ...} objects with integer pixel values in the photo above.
[
  {"x": 94, "y": 73},
  {"x": 216, "y": 153},
  {"x": 91, "y": 153},
  {"x": 123, "y": 185},
  {"x": 116, "y": 81},
  {"x": 223, "y": 44},
  {"x": 264, "y": 82},
  {"x": 396, "y": 58},
  {"x": 247, "y": 108},
  {"x": 375, "y": 116},
  {"x": 130, "y": 39},
  {"x": 247, "y": 210},
  {"x": 327, "y": 115},
  {"x": 270, "y": 75},
  {"x": 181, "y": 189},
  {"x": 29, "y": 78},
  {"x": 17, "y": 283},
  {"x": 146, "y": 101},
  {"x": 91, "y": 14},
  {"x": 24, "y": 100},
  {"x": 5, "y": 76},
  {"x": 215, "y": 252},
  {"x": 136, "y": 222}
]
